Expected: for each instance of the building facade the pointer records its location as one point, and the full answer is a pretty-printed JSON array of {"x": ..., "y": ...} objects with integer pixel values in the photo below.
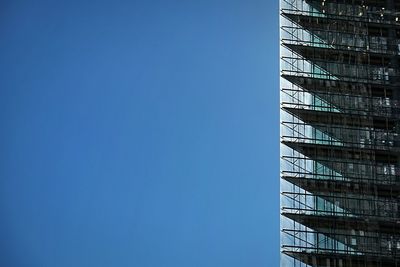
[{"x": 340, "y": 126}]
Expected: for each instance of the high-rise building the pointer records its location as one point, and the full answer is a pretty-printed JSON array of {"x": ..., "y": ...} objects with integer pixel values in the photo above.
[{"x": 340, "y": 133}]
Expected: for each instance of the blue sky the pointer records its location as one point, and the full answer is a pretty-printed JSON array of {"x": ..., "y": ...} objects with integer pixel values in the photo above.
[{"x": 139, "y": 133}]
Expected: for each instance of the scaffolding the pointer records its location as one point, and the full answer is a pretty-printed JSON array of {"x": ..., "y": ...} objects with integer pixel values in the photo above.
[{"x": 340, "y": 133}]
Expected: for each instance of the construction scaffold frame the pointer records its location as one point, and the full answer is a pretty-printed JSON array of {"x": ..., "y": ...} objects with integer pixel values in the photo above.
[{"x": 340, "y": 133}]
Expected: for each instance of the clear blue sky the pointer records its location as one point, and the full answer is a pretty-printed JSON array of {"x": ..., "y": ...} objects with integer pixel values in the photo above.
[{"x": 139, "y": 133}]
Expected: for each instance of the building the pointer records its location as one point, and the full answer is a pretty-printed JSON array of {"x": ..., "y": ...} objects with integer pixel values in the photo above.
[{"x": 340, "y": 126}]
